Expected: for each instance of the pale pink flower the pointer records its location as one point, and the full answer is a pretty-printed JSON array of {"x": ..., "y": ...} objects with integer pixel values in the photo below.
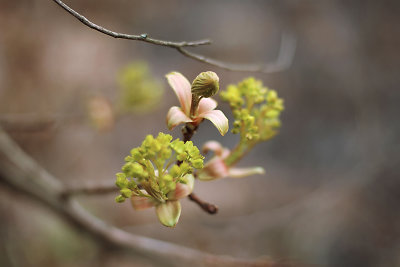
[
  {"x": 205, "y": 110},
  {"x": 217, "y": 168}
]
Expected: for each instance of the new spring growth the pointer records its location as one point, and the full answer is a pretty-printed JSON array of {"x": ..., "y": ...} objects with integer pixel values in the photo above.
[
  {"x": 150, "y": 176},
  {"x": 206, "y": 85},
  {"x": 195, "y": 102},
  {"x": 256, "y": 110}
]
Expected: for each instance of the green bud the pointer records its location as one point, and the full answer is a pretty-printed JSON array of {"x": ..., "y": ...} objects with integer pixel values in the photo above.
[
  {"x": 185, "y": 168},
  {"x": 121, "y": 181},
  {"x": 272, "y": 96},
  {"x": 166, "y": 153},
  {"x": 137, "y": 170},
  {"x": 182, "y": 156},
  {"x": 178, "y": 146},
  {"x": 272, "y": 113},
  {"x": 129, "y": 159},
  {"x": 120, "y": 199},
  {"x": 125, "y": 192},
  {"x": 175, "y": 171},
  {"x": 249, "y": 120},
  {"x": 197, "y": 163},
  {"x": 206, "y": 84},
  {"x": 279, "y": 104},
  {"x": 167, "y": 177}
]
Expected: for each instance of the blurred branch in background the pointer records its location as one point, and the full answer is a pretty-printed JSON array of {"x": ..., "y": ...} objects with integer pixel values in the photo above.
[
  {"x": 22, "y": 174},
  {"x": 283, "y": 61},
  {"x": 90, "y": 188},
  {"x": 28, "y": 122},
  {"x": 142, "y": 37}
]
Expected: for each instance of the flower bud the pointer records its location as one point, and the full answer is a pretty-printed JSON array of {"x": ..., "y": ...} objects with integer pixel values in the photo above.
[
  {"x": 120, "y": 199},
  {"x": 125, "y": 192},
  {"x": 206, "y": 84}
]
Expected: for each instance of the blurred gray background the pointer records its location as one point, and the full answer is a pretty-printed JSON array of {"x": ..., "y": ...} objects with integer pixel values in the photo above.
[{"x": 331, "y": 191}]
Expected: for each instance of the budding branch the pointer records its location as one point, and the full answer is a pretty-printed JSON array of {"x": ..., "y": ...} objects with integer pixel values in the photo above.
[{"x": 21, "y": 174}]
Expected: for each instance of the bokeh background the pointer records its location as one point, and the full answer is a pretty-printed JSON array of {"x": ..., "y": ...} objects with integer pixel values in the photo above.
[{"x": 331, "y": 191}]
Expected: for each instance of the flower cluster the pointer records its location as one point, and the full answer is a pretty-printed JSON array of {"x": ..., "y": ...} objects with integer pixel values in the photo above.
[
  {"x": 256, "y": 109},
  {"x": 151, "y": 176}
]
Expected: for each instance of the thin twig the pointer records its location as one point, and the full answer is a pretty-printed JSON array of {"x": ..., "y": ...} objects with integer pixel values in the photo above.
[
  {"x": 142, "y": 37},
  {"x": 188, "y": 131},
  {"x": 105, "y": 187},
  {"x": 207, "y": 207},
  {"x": 284, "y": 59}
]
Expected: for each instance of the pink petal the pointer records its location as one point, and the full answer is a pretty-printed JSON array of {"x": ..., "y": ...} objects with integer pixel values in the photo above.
[
  {"x": 182, "y": 190},
  {"x": 214, "y": 146},
  {"x": 182, "y": 89},
  {"x": 218, "y": 119},
  {"x": 176, "y": 116},
  {"x": 141, "y": 203},
  {"x": 206, "y": 104},
  {"x": 243, "y": 172},
  {"x": 214, "y": 169},
  {"x": 217, "y": 148}
]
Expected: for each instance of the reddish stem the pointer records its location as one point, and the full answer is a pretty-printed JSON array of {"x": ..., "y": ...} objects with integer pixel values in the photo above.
[{"x": 207, "y": 207}]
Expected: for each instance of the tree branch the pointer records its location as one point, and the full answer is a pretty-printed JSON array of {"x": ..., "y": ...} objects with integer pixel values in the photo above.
[
  {"x": 284, "y": 60},
  {"x": 27, "y": 122},
  {"x": 207, "y": 207},
  {"x": 142, "y": 37},
  {"x": 91, "y": 188},
  {"x": 21, "y": 173},
  {"x": 109, "y": 187}
]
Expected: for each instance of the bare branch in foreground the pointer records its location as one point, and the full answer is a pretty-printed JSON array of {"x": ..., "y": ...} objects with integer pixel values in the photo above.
[
  {"x": 284, "y": 59},
  {"x": 20, "y": 172},
  {"x": 142, "y": 37}
]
